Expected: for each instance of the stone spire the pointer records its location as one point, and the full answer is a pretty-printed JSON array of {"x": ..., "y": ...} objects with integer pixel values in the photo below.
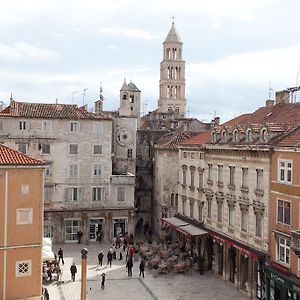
[{"x": 173, "y": 35}]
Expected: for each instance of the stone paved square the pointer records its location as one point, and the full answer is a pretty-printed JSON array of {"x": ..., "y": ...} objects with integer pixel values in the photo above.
[{"x": 119, "y": 286}]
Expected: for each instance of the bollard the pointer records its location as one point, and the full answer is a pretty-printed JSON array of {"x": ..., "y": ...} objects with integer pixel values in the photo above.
[{"x": 84, "y": 253}]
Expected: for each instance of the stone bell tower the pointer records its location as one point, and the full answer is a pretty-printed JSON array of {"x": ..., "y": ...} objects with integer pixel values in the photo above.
[{"x": 172, "y": 77}]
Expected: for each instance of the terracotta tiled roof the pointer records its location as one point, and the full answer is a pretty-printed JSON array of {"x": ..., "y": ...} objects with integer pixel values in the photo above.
[
  {"x": 170, "y": 141},
  {"x": 47, "y": 110},
  {"x": 199, "y": 139},
  {"x": 10, "y": 156},
  {"x": 290, "y": 139}
]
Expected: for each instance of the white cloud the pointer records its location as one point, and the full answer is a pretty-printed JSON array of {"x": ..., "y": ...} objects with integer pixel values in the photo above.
[
  {"x": 128, "y": 32},
  {"x": 22, "y": 50}
]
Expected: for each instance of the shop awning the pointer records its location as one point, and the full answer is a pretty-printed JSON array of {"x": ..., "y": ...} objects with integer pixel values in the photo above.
[
  {"x": 47, "y": 249},
  {"x": 183, "y": 226}
]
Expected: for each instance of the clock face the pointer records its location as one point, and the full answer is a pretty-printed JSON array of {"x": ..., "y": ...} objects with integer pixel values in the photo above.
[{"x": 124, "y": 136}]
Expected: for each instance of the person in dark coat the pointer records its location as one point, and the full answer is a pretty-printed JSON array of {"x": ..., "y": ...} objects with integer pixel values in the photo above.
[
  {"x": 142, "y": 268},
  {"x": 46, "y": 294},
  {"x": 61, "y": 256},
  {"x": 100, "y": 258},
  {"x": 129, "y": 266},
  {"x": 79, "y": 235},
  {"x": 102, "y": 281},
  {"x": 109, "y": 258},
  {"x": 73, "y": 270}
]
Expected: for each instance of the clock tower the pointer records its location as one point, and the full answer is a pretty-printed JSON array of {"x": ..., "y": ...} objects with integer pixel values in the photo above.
[{"x": 125, "y": 128}]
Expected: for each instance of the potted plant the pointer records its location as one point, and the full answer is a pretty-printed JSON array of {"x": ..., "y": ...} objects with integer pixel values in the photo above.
[{"x": 200, "y": 262}]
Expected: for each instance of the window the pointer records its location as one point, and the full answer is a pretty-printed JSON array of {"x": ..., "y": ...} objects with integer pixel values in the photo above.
[
  {"x": 231, "y": 175},
  {"x": 176, "y": 200},
  {"x": 45, "y": 148},
  {"x": 22, "y": 148},
  {"x": 24, "y": 216},
  {"x": 97, "y": 170},
  {"x": 236, "y": 136},
  {"x": 209, "y": 209},
  {"x": 73, "y": 194},
  {"x": 74, "y": 126},
  {"x": 47, "y": 194},
  {"x": 285, "y": 171},
  {"x": 200, "y": 216},
  {"x": 231, "y": 215},
  {"x": 184, "y": 175},
  {"x": 46, "y": 125},
  {"x": 264, "y": 135},
  {"x": 249, "y": 135},
  {"x": 283, "y": 250},
  {"x": 192, "y": 209},
  {"x": 259, "y": 179},
  {"x": 284, "y": 212},
  {"x": 183, "y": 205},
  {"x": 224, "y": 138},
  {"x": 48, "y": 231},
  {"x": 172, "y": 199},
  {"x": 22, "y": 125},
  {"x": 73, "y": 170},
  {"x": 244, "y": 177},
  {"x": 258, "y": 224},
  {"x": 220, "y": 173},
  {"x": 200, "y": 180},
  {"x": 1, "y": 125},
  {"x": 73, "y": 149},
  {"x": 129, "y": 153},
  {"x": 220, "y": 212},
  {"x": 213, "y": 137},
  {"x": 23, "y": 268},
  {"x": 244, "y": 220},
  {"x": 71, "y": 229},
  {"x": 192, "y": 155},
  {"x": 184, "y": 154},
  {"x": 47, "y": 171},
  {"x": 210, "y": 167},
  {"x": 97, "y": 149},
  {"x": 24, "y": 189},
  {"x": 121, "y": 194},
  {"x": 98, "y": 128},
  {"x": 97, "y": 193},
  {"x": 192, "y": 171}
]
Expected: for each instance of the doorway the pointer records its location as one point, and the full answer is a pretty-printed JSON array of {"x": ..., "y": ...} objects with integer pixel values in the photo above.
[{"x": 96, "y": 225}]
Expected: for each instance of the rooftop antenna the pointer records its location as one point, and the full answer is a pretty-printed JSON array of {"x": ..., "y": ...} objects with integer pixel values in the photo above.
[
  {"x": 100, "y": 91},
  {"x": 73, "y": 93},
  {"x": 188, "y": 112},
  {"x": 297, "y": 77},
  {"x": 270, "y": 90},
  {"x": 83, "y": 95},
  {"x": 11, "y": 97}
]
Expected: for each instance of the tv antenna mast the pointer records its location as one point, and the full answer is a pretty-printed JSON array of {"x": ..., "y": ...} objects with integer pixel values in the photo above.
[{"x": 83, "y": 95}]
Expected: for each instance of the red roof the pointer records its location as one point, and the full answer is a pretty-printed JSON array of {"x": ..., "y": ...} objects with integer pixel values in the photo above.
[
  {"x": 170, "y": 141},
  {"x": 47, "y": 110},
  {"x": 292, "y": 139},
  {"x": 10, "y": 156},
  {"x": 199, "y": 139}
]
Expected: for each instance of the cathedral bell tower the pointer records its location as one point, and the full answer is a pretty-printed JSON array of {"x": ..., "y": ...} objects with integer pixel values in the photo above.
[{"x": 172, "y": 100}]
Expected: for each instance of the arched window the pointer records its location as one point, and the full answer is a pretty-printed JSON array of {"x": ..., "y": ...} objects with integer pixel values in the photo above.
[
  {"x": 264, "y": 135},
  {"x": 124, "y": 96},
  {"x": 224, "y": 137},
  {"x": 235, "y": 136},
  {"x": 213, "y": 137},
  {"x": 249, "y": 135}
]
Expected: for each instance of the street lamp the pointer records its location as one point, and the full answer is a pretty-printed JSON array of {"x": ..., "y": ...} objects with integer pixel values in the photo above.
[{"x": 84, "y": 253}]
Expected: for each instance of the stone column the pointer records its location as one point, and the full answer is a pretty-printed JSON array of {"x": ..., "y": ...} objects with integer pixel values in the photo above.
[
  {"x": 84, "y": 253},
  {"x": 60, "y": 228},
  {"x": 85, "y": 229},
  {"x": 109, "y": 226}
]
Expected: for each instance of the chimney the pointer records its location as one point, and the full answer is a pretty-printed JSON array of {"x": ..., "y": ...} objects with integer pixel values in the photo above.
[
  {"x": 269, "y": 103},
  {"x": 282, "y": 97}
]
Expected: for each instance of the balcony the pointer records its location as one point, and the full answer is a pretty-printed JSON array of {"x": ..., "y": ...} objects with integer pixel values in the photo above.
[{"x": 295, "y": 241}]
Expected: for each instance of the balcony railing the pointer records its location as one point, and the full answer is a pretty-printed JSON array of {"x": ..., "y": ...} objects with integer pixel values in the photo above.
[{"x": 295, "y": 241}]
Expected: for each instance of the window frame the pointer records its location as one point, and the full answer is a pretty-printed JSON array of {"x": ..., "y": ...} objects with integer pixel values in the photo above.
[
  {"x": 286, "y": 250},
  {"x": 283, "y": 212},
  {"x": 74, "y": 126},
  {"x": 286, "y": 171},
  {"x": 76, "y": 148},
  {"x": 73, "y": 170},
  {"x": 18, "y": 263},
  {"x": 29, "y": 219},
  {"x": 123, "y": 189},
  {"x": 96, "y": 194},
  {"x": 97, "y": 145}
]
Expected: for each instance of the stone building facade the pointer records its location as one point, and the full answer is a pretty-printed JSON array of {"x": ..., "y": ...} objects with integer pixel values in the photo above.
[{"x": 81, "y": 191}]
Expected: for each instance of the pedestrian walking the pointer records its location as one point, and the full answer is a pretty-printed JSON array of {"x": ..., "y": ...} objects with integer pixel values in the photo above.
[
  {"x": 61, "y": 256},
  {"x": 100, "y": 258},
  {"x": 46, "y": 294},
  {"x": 131, "y": 251},
  {"x": 129, "y": 266},
  {"x": 114, "y": 250},
  {"x": 142, "y": 268},
  {"x": 102, "y": 281},
  {"x": 109, "y": 258},
  {"x": 73, "y": 270}
]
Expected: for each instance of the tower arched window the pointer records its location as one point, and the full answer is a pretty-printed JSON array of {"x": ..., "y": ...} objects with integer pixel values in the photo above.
[
  {"x": 175, "y": 92},
  {"x": 213, "y": 137},
  {"x": 124, "y": 97},
  {"x": 168, "y": 92}
]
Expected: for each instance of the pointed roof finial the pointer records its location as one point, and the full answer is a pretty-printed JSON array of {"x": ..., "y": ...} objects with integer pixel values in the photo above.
[
  {"x": 11, "y": 97},
  {"x": 173, "y": 19},
  {"x": 100, "y": 91}
]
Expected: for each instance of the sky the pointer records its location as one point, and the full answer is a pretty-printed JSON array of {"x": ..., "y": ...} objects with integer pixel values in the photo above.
[{"x": 234, "y": 50}]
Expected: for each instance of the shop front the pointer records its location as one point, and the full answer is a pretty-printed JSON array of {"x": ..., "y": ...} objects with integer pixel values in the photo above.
[
  {"x": 237, "y": 264},
  {"x": 281, "y": 286}
]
